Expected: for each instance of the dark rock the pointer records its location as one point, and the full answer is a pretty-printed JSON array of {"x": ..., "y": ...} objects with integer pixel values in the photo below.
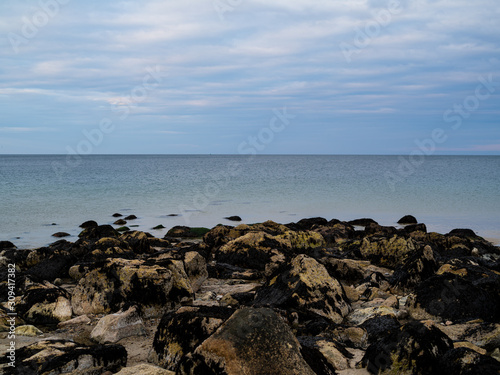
[
  {"x": 252, "y": 341},
  {"x": 131, "y": 217},
  {"x": 380, "y": 326},
  {"x": 414, "y": 228},
  {"x": 64, "y": 357},
  {"x": 414, "y": 349},
  {"x": 387, "y": 252},
  {"x": 308, "y": 224},
  {"x": 138, "y": 241},
  {"x": 179, "y": 333},
  {"x": 61, "y": 234},
  {"x": 335, "y": 233},
  {"x": 220, "y": 235},
  {"x": 465, "y": 233},
  {"x": 89, "y": 224},
  {"x": 180, "y": 231},
  {"x": 158, "y": 227},
  {"x": 219, "y": 270},
  {"x": 379, "y": 230},
  {"x": 196, "y": 269},
  {"x": 173, "y": 215},
  {"x": 123, "y": 229},
  {"x": 54, "y": 266},
  {"x": 460, "y": 290},
  {"x": 96, "y": 233},
  {"x": 305, "y": 285},
  {"x": 121, "y": 283},
  {"x": 117, "y": 215},
  {"x": 120, "y": 222},
  {"x": 6, "y": 245},
  {"x": 465, "y": 361},
  {"x": 324, "y": 355},
  {"x": 362, "y": 222},
  {"x": 233, "y": 218},
  {"x": 408, "y": 219},
  {"x": 420, "y": 266}
]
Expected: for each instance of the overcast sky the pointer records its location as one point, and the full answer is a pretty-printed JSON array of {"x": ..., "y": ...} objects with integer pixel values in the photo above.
[{"x": 232, "y": 76}]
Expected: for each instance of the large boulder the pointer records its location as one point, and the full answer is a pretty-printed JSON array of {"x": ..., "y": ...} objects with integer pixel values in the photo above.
[
  {"x": 120, "y": 283},
  {"x": 390, "y": 252},
  {"x": 464, "y": 361},
  {"x": 179, "y": 333},
  {"x": 305, "y": 286},
  {"x": 66, "y": 357},
  {"x": 420, "y": 266},
  {"x": 44, "y": 303},
  {"x": 114, "y": 327},
  {"x": 252, "y": 341},
  {"x": 96, "y": 233},
  {"x": 138, "y": 241},
  {"x": 415, "y": 349}
]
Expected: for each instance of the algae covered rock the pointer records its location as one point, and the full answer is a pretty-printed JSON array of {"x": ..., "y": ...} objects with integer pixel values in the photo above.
[
  {"x": 65, "y": 357},
  {"x": 121, "y": 282},
  {"x": 179, "y": 333},
  {"x": 387, "y": 252},
  {"x": 252, "y": 341},
  {"x": 305, "y": 285}
]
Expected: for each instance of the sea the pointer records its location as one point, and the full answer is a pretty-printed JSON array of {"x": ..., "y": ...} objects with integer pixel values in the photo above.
[{"x": 44, "y": 194}]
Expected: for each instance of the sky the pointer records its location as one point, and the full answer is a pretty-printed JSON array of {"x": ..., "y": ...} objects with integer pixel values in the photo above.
[{"x": 250, "y": 76}]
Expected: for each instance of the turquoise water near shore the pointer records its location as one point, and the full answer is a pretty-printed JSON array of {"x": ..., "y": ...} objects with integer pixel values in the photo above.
[{"x": 444, "y": 192}]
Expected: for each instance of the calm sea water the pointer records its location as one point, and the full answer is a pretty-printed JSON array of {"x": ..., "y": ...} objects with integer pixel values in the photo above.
[{"x": 445, "y": 192}]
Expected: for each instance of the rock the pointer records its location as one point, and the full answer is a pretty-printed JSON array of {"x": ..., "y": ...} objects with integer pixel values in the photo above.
[
  {"x": 131, "y": 217},
  {"x": 465, "y": 233},
  {"x": 306, "y": 286},
  {"x": 418, "y": 267},
  {"x": 349, "y": 270},
  {"x": 362, "y": 222},
  {"x": 120, "y": 283},
  {"x": 387, "y": 252},
  {"x": 196, "y": 269},
  {"x": 51, "y": 265},
  {"x": 411, "y": 228},
  {"x": 466, "y": 344},
  {"x": 337, "y": 233},
  {"x": 307, "y": 224},
  {"x": 360, "y": 316},
  {"x": 6, "y": 245},
  {"x": 414, "y": 349},
  {"x": 117, "y": 215},
  {"x": 180, "y": 332},
  {"x": 220, "y": 235},
  {"x": 408, "y": 219},
  {"x": 45, "y": 303},
  {"x": 373, "y": 229},
  {"x": 144, "y": 369},
  {"x": 89, "y": 224},
  {"x": 112, "y": 328},
  {"x": 138, "y": 241},
  {"x": 123, "y": 229},
  {"x": 354, "y": 337},
  {"x": 324, "y": 355},
  {"x": 484, "y": 335},
  {"x": 160, "y": 226},
  {"x": 467, "y": 361},
  {"x": 380, "y": 326},
  {"x": 180, "y": 231},
  {"x": 28, "y": 330},
  {"x": 233, "y": 218},
  {"x": 461, "y": 290},
  {"x": 63, "y": 357},
  {"x": 120, "y": 222},
  {"x": 252, "y": 341},
  {"x": 61, "y": 234},
  {"x": 96, "y": 233},
  {"x": 82, "y": 319}
]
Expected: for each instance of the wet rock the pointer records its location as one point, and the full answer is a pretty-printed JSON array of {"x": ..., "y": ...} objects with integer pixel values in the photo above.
[
  {"x": 387, "y": 252},
  {"x": 61, "y": 234},
  {"x": 186, "y": 232},
  {"x": 252, "y": 341},
  {"x": 120, "y": 222},
  {"x": 461, "y": 290},
  {"x": 380, "y": 326},
  {"x": 220, "y": 235},
  {"x": 89, "y": 224},
  {"x": 336, "y": 233},
  {"x": 51, "y": 264},
  {"x": 410, "y": 229},
  {"x": 120, "y": 283},
  {"x": 465, "y": 233},
  {"x": 467, "y": 361},
  {"x": 408, "y": 219},
  {"x": 196, "y": 269},
  {"x": 6, "y": 245},
  {"x": 45, "y": 303},
  {"x": 144, "y": 369},
  {"x": 131, "y": 217},
  {"x": 179, "y": 333},
  {"x": 220, "y": 270},
  {"x": 96, "y": 233},
  {"x": 138, "y": 241},
  {"x": 414, "y": 349},
  {"x": 158, "y": 227},
  {"x": 117, "y": 215},
  {"x": 307, "y": 224},
  {"x": 63, "y": 357},
  {"x": 379, "y": 230},
  {"x": 324, "y": 355},
  {"x": 233, "y": 218},
  {"x": 419, "y": 266},
  {"x": 362, "y": 222},
  {"x": 114, "y": 327},
  {"x": 305, "y": 285}
]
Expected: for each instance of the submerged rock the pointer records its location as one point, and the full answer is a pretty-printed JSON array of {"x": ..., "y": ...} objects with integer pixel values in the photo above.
[
  {"x": 252, "y": 341},
  {"x": 305, "y": 286},
  {"x": 233, "y": 218}
]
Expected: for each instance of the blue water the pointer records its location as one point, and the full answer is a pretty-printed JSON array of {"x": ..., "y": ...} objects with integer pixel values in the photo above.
[{"x": 445, "y": 192}]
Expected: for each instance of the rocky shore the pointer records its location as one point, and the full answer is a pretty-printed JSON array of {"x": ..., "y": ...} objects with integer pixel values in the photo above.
[{"x": 311, "y": 297}]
